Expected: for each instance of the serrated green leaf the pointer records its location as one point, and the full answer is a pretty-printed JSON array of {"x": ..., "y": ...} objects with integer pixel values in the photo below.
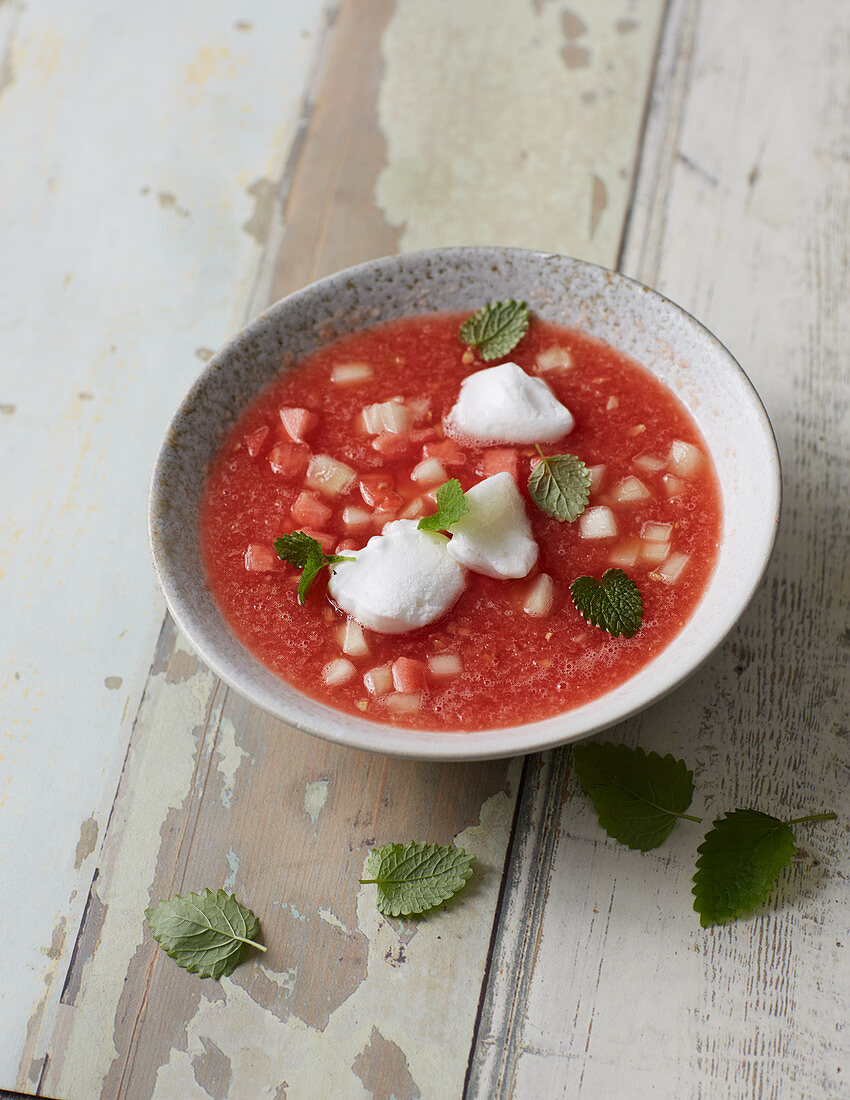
[
  {"x": 305, "y": 553},
  {"x": 451, "y": 506},
  {"x": 739, "y": 861},
  {"x": 496, "y": 329},
  {"x": 298, "y": 548},
  {"x": 560, "y": 486},
  {"x": 637, "y": 796},
  {"x": 412, "y": 878},
  {"x": 614, "y": 604},
  {"x": 206, "y": 933}
]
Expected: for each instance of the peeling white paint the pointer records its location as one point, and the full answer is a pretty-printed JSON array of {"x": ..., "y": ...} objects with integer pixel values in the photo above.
[
  {"x": 443, "y": 966},
  {"x": 331, "y": 918},
  {"x": 230, "y": 756},
  {"x": 315, "y": 797},
  {"x": 475, "y": 153},
  {"x": 286, "y": 979},
  {"x": 229, "y": 883}
]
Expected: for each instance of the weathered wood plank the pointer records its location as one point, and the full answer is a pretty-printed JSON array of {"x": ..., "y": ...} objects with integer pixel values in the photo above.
[
  {"x": 737, "y": 223},
  {"x": 124, "y": 258},
  {"x": 214, "y": 791}
]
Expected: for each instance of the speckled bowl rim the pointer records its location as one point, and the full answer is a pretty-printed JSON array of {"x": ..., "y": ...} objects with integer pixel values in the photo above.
[{"x": 174, "y": 544}]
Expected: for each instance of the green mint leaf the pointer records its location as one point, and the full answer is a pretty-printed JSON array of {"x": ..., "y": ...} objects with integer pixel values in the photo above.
[
  {"x": 206, "y": 934},
  {"x": 560, "y": 486},
  {"x": 637, "y": 796},
  {"x": 298, "y": 548},
  {"x": 412, "y": 878},
  {"x": 614, "y": 604},
  {"x": 451, "y": 506},
  {"x": 496, "y": 329},
  {"x": 305, "y": 553},
  {"x": 739, "y": 861}
]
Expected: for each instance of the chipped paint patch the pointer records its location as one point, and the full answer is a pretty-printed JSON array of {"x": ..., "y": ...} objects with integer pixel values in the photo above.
[
  {"x": 113, "y": 682},
  {"x": 230, "y": 756},
  {"x": 265, "y": 195},
  {"x": 285, "y": 979},
  {"x": 87, "y": 842},
  {"x": 332, "y": 919},
  {"x": 172, "y": 717},
  {"x": 315, "y": 797},
  {"x": 7, "y": 409},
  {"x": 429, "y": 1048},
  {"x": 535, "y": 188},
  {"x": 381, "y": 1062},
  {"x": 229, "y": 883}
]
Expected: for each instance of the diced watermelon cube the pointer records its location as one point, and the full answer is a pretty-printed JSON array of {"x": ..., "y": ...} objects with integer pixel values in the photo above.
[
  {"x": 408, "y": 674},
  {"x": 499, "y": 460},
  {"x": 377, "y": 490},
  {"x": 346, "y": 545},
  {"x": 392, "y": 445},
  {"x": 260, "y": 558},
  {"x": 255, "y": 442},
  {"x": 326, "y": 541},
  {"x": 446, "y": 452},
  {"x": 289, "y": 460},
  {"x": 310, "y": 511},
  {"x": 298, "y": 423}
]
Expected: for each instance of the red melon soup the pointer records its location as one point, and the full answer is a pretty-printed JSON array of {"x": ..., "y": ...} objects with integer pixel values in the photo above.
[{"x": 504, "y": 654}]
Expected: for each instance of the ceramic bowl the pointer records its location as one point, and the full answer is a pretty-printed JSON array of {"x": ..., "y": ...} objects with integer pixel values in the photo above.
[{"x": 626, "y": 315}]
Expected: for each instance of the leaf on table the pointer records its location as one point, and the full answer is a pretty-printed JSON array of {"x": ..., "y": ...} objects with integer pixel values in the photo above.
[
  {"x": 637, "y": 796},
  {"x": 412, "y": 878},
  {"x": 496, "y": 329},
  {"x": 206, "y": 933},
  {"x": 739, "y": 861}
]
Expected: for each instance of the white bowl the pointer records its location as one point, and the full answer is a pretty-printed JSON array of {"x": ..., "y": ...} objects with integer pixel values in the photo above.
[{"x": 624, "y": 314}]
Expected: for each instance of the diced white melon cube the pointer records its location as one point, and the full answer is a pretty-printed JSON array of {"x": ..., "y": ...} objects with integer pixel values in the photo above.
[
  {"x": 352, "y": 640},
  {"x": 554, "y": 359},
  {"x": 539, "y": 599},
  {"x": 597, "y": 476},
  {"x": 378, "y": 681},
  {"x": 338, "y": 672},
  {"x": 404, "y": 702},
  {"x": 443, "y": 666},
  {"x": 684, "y": 459},
  {"x": 625, "y": 553},
  {"x": 387, "y": 416},
  {"x": 356, "y": 518},
  {"x": 674, "y": 486},
  {"x": 651, "y": 464},
  {"x": 597, "y": 523},
  {"x": 654, "y": 553},
  {"x": 416, "y": 509},
  {"x": 329, "y": 476},
  {"x": 612, "y": 403},
  {"x": 629, "y": 489},
  {"x": 419, "y": 407},
  {"x": 494, "y": 537},
  {"x": 429, "y": 472},
  {"x": 346, "y": 374},
  {"x": 656, "y": 532},
  {"x": 672, "y": 568}
]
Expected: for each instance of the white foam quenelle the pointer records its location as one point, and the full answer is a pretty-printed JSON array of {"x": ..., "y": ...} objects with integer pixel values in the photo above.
[
  {"x": 401, "y": 580},
  {"x": 505, "y": 405},
  {"x": 494, "y": 537}
]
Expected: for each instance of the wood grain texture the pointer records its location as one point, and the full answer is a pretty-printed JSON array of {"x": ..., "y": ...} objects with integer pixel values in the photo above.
[
  {"x": 648, "y": 1003},
  {"x": 214, "y": 791}
]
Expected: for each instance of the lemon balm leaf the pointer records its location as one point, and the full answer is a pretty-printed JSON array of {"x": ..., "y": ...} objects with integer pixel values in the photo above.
[
  {"x": 739, "y": 861},
  {"x": 305, "y": 553},
  {"x": 413, "y": 878},
  {"x": 207, "y": 933},
  {"x": 614, "y": 603},
  {"x": 560, "y": 486},
  {"x": 496, "y": 329},
  {"x": 451, "y": 506},
  {"x": 638, "y": 796}
]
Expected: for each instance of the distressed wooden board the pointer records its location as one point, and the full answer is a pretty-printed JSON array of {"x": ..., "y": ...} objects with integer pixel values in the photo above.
[
  {"x": 129, "y": 244},
  {"x": 213, "y": 791},
  {"x": 741, "y": 225}
]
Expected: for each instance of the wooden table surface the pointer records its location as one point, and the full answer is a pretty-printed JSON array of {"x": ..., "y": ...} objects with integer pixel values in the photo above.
[{"x": 170, "y": 169}]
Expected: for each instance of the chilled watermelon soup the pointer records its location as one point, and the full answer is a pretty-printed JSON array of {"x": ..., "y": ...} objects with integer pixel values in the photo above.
[{"x": 356, "y": 437}]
